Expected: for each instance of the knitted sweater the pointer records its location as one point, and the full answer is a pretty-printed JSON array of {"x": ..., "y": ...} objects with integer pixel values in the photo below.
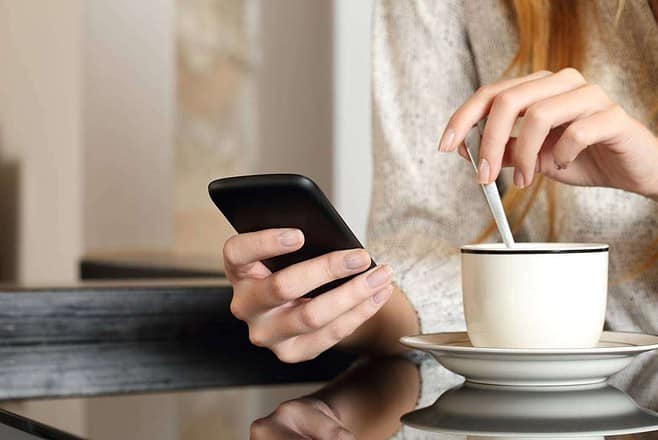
[{"x": 428, "y": 57}]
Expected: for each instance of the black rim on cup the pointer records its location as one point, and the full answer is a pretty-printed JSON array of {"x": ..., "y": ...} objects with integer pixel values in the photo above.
[{"x": 535, "y": 248}]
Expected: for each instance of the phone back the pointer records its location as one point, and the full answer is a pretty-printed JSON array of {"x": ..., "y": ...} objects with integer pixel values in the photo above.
[{"x": 257, "y": 202}]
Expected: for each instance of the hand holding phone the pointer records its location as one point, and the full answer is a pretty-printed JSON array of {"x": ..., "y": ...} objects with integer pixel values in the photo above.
[{"x": 271, "y": 300}]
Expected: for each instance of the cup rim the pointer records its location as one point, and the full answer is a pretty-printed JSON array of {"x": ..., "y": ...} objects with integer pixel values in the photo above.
[{"x": 535, "y": 248}]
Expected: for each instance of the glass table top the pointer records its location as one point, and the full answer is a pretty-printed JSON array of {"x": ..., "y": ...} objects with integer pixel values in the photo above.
[{"x": 392, "y": 397}]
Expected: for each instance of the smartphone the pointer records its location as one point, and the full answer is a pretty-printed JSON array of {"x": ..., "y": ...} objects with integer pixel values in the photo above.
[{"x": 256, "y": 202}]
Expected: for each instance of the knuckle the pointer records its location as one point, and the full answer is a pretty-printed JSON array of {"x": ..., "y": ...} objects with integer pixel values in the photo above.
[
  {"x": 318, "y": 404},
  {"x": 575, "y": 134},
  {"x": 258, "y": 429},
  {"x": 505, "y": 101},
  {"x": 484, "y": 91},
  {"x": 257, "y": 337},
  {"x": 309, "y": 317},
  {"x": 598, "y": 93},
  {"x": 618, "y": 111},
  {"x": 291, "y": 406},
  {"x": 289, "y": 356},
  {"x": 536, "y": 116},
  {"x": 236, "y": 309},
  {"x": 278, "y": 286},
  {"x": 572, "y": 74},
  {"x": 229, "y": 251},
  {"x": 597, "y": 89}
]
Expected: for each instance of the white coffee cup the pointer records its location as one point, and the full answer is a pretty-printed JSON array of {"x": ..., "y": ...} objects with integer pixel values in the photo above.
[{"x": 535, "y": 295}]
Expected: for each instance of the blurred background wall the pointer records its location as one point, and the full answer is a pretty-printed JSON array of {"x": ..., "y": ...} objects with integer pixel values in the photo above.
[{"x": 115, "y": 114}]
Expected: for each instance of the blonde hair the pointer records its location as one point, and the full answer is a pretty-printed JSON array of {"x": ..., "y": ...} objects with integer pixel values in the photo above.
[{"x": 551, "y": 37}]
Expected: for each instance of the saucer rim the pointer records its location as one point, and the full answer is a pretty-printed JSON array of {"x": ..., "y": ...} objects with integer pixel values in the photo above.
[
  {"x": 538, "y": 434},
  {"x": 416, "y": 342}
]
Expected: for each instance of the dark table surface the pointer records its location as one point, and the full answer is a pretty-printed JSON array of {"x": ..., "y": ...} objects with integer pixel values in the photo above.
[
  {"x": 137, "y": 335},
  {"x": 97, "y": 338},
  {"x": 370, "y": 398}
]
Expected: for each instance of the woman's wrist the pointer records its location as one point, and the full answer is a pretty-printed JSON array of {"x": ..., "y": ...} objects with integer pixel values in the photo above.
[{"x": 381, "y": 333}]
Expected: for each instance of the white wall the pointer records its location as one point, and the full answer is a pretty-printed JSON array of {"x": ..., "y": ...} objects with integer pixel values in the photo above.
[
  {"x": 352, "y": 138},
  {"x": 40, "y": 155},
  {"x": 129, "y": 86},
  {"x": 295, "y": 90},
  {"x": 129, "y": 110},
  {"x": 40, "y": 132},
  {"x": 86, "y": 119},
  {"x": 86, "y": 113}
]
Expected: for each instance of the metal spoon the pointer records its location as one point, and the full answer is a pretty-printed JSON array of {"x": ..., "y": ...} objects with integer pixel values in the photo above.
[{"x": 490, "y": 190}]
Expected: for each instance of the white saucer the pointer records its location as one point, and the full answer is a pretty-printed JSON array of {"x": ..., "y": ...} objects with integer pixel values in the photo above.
[
  {"x": 477, "y": 410},
  {"x": 534, "y": 367}
]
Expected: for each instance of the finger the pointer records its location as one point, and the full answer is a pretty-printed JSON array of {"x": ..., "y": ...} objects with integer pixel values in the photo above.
[
  {"x": 600, "y": 127},
  {"x": 308, "y": 346},
  {"x": 322, "y": 406},
  {"x": 545, "y": 155},
  {"x": 322, "y": 310},
  {"x": 297, "y": 280},
  {"x": 269, "y": 429},
  {"x": 309, "y": 421},
  {"x": 475, "y": 108},
  {"x": 243, "y": 250},
  {"x": 506, "y": 108},
  {"x": 462, "y": 152},
  {"x": 547, "y": 114}
]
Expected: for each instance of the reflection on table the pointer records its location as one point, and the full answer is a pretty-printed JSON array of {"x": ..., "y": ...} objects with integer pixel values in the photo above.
[{"x": 369, "y": 400}]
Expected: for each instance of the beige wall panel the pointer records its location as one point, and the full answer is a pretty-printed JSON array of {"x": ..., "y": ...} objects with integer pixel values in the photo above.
[{"x": 129, "y": 99}]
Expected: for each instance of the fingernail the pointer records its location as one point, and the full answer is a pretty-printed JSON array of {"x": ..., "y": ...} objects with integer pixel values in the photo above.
[
  {"x": 356, "y": 259},
  {"x": 483, "y": 171},
  {"x": 290, "y": 237},
  {"x": 519, "y": 180},
  {"x": 382, "y": 295},
  {"x": 379, "y": 277},
  {"x": 446, "y": 139}
]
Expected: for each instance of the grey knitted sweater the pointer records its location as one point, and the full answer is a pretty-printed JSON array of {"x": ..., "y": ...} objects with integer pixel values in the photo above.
[{"x": 428, "y": 57}]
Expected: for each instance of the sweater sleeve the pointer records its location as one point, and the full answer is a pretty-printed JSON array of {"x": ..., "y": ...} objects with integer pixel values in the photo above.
[{"x": 425, "y": 204}]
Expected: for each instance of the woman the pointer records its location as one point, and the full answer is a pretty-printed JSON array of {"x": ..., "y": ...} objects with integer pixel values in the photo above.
[{"x": 584, "y": 128}]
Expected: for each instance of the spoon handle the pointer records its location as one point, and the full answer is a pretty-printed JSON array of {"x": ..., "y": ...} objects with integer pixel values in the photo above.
[
  {"x": 496, "y": 206},
  {"x": 490, "y": 190}
]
